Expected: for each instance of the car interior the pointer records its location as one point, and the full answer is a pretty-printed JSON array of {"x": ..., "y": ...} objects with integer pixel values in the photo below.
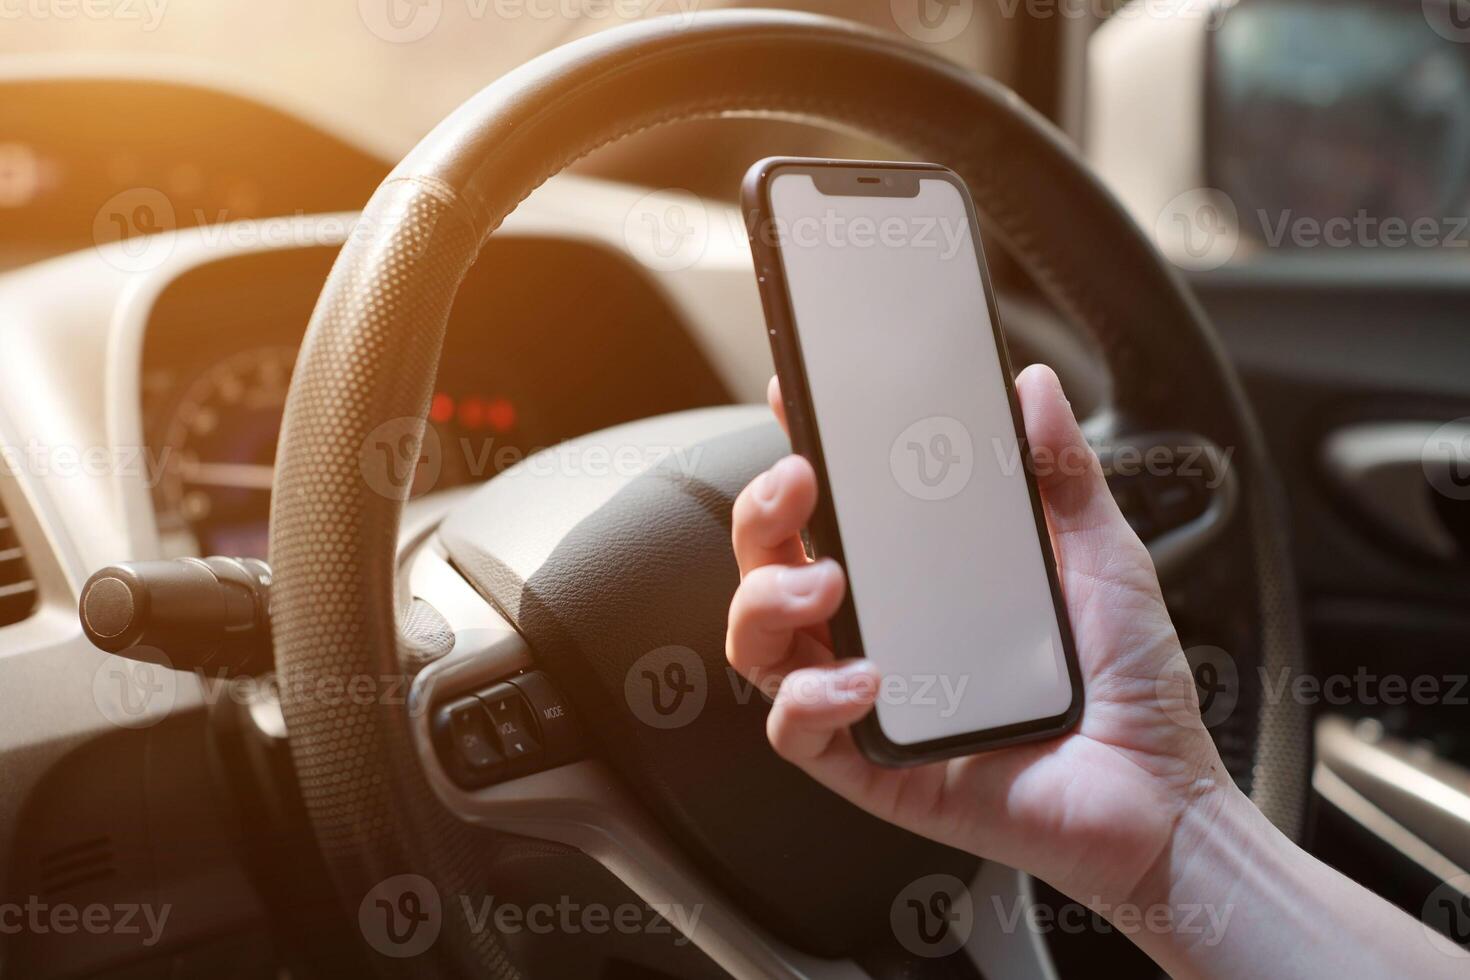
[{"x": 433, "y": 326}]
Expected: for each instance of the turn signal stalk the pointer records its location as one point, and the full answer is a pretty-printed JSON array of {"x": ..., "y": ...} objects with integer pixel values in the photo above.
[{"x": 211, "y": 614}]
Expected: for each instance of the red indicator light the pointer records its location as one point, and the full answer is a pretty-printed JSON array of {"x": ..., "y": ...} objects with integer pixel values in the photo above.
[
  {"x": 441, "y": 409},
  {"x": 471, "y": 413},
  {"x": 502, "y": 415}
]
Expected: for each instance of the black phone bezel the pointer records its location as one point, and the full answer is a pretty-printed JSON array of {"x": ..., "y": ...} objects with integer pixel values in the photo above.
[{"x": 855, "y": 177}]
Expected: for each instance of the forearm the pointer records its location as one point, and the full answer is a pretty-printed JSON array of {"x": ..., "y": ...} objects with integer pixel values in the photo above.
[{"x": 1245, "y": 901}]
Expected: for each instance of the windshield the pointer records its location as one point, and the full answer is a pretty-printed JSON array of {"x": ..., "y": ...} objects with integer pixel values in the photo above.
[{"x": 387, "y": 70}]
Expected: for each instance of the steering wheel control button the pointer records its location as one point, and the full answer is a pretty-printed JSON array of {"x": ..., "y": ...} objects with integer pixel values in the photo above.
[
  {"x": 552, "y": 715},
  {"x": 510, "y": 718},
  {"x": 470, "y": 729},
  {"x": 513, "y": 728}
]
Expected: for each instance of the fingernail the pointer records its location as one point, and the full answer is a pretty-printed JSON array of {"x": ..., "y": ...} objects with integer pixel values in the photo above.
[
  {"x": 856, "y": 679},
  {"x": 765, "y": 486},
  {"x": 801, "y": 581},
  {"x": 790, "y": 468}
]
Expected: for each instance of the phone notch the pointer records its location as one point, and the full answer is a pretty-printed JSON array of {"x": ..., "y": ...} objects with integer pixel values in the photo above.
[{"x": 858, "y": 182}]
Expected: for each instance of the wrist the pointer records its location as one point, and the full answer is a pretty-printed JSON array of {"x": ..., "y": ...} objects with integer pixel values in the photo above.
[
  {"x": 1127, "y": 863},
  {"x": 1211, "y": 806},
  {"x": 1233, "y": 896},
  {"x": 1194, "y": 887}
]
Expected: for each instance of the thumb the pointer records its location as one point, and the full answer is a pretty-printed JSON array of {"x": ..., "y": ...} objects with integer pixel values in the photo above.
[{"x": 1068, "y": 473}]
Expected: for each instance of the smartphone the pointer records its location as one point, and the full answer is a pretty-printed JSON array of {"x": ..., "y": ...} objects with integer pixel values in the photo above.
[{"x": 899, "y": 391}]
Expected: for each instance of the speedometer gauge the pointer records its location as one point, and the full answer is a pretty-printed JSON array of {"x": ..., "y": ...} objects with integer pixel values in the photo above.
[{"x": 220, "y": 446}]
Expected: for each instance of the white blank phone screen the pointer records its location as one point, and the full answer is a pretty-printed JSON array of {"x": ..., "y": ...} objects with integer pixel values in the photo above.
[{"x": 943, "y": 557}]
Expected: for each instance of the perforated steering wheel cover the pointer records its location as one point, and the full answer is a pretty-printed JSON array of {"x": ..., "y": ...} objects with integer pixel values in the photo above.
[{"x": 372, "y": 350}]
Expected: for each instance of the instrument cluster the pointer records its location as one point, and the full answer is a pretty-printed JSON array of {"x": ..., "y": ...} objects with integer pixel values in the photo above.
[{"x": 549, "y": 339}]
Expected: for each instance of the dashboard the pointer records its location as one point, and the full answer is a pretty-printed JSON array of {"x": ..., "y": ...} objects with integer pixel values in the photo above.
[
  {"x": 554, "y": 334},
  {"x": 549, "y": 339},
  {"x": 142, "y": 404},
  {"x": 557, "y": 331},
  {"x": 87, "y": 161}
]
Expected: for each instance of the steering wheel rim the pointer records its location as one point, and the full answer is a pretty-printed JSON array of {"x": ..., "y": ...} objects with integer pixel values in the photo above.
[{"x": 370, "y": 356}]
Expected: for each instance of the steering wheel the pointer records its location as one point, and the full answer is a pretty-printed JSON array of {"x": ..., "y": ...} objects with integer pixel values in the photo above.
[{"x": 596, "y": 575}]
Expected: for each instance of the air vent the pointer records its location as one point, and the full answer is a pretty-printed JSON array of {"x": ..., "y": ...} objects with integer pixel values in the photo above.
[
  {"x": 17, "y": 587},
  {"x": 76, "y": 864}
]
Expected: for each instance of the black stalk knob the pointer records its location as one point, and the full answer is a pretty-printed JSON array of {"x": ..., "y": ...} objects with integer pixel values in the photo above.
[{"x": 206, "y": 613}]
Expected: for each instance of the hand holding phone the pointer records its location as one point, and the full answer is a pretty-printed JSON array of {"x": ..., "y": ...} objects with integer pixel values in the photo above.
[
  {"x": 1089, "y": 810},
  {"x": 1131, "y": 811},
  {"x": 898, "y": 390}
]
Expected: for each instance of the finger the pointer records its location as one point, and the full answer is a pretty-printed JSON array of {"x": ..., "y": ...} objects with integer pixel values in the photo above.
[
  {"x": 778, "y": 406},
  {"x": 1067, "y": 470},
  {"x": 770, "y": 513},
  {"x": 771, "y": 605},
  {"x": 808, "y": 724}
]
